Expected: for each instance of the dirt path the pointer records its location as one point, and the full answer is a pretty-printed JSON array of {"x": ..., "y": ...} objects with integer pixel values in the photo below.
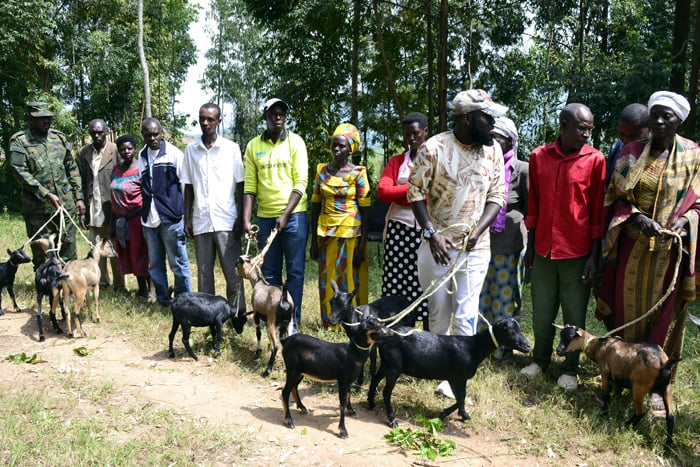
[{"x": 239, "y": 401}]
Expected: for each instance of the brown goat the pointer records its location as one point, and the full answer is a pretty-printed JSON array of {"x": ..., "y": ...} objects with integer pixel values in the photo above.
[
  {"x": 641, "y": 366},
  {"x": 81, "y": 275},
  {"x": 269, "y": 305}
]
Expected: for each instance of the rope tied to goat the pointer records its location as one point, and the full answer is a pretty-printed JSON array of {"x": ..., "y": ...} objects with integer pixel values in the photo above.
[
  {"x": 676, "y": 240},
  {"x": 459, "y": 261},
  {"x": 63, "y": 213}
]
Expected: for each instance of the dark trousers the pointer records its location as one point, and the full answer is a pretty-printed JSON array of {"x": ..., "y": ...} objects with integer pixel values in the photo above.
[{"x": 557, "y": 283}]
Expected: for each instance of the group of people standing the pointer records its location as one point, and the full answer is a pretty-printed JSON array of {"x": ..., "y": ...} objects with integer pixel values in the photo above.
[{"x": 460, "y": 191}]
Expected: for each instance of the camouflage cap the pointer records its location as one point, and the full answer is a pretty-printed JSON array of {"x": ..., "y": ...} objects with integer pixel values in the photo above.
[{"x": 39, "y": 109}]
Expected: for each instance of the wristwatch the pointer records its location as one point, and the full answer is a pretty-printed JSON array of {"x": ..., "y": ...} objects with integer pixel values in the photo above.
[{"x": 428, "y": 233}]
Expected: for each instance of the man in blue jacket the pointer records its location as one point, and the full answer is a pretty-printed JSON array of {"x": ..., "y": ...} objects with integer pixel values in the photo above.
[{"x": 160, "y": 164}]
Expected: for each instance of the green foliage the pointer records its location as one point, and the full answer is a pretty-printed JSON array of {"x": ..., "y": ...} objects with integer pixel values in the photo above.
[
  {"x": 426, "y": 440},
  {"x": 23, "y": 358}
]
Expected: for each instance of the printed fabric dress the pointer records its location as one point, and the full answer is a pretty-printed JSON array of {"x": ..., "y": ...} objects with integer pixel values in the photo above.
[
  {"x": 339, "y": 228},
  {"x": 132, "y": 254}
]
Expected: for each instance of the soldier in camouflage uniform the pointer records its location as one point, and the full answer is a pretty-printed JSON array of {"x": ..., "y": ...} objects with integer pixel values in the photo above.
[{"x": 42, "y": 160}]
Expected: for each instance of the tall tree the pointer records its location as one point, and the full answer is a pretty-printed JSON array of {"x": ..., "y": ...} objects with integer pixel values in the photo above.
[{"x": 144, "y": 65}]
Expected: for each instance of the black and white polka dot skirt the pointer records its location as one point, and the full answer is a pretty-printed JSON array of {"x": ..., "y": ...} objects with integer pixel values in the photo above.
[{"x": 400, "y": 275}]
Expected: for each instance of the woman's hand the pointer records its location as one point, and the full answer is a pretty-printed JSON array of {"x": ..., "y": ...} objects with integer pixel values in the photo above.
[
  {"x": 358, "y": 255},
  {"x": 648, "y": 226},
  {"x": 313, "y": 249},
  {"x": 679, "y": 225}
]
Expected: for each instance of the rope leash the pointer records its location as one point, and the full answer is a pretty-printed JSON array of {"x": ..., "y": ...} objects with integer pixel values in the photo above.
[
  {"x": 669, "y": 291},
  {"x": 63, "y": 213}
]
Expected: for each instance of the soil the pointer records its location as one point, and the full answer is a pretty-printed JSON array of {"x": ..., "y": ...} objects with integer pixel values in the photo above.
[{"x": 236, "y": 399}]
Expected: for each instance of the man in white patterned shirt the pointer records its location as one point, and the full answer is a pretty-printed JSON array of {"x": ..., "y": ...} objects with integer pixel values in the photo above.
[{"x": 460, "y": 175}]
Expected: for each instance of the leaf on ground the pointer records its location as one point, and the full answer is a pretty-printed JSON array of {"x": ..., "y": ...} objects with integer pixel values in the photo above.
[
  {"x": 82, "y": 351},
  {"x": 23, "y": 358}
]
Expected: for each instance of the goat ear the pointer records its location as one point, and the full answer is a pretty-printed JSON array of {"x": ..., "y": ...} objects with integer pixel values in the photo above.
[
  {"x": 558, "y": 326},
  {"x": 579, "y": 332},
  {"x": 354, "y": 292},
  {"x": 9, "y": 252}
]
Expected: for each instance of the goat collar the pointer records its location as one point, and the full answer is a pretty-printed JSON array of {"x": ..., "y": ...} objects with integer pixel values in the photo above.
[
  {"x": 493, "y": 337},
  {"x": 359, "y": 346}
]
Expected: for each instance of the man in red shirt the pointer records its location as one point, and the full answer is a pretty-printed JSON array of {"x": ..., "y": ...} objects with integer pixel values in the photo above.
[{"x": 565, "y": 228}]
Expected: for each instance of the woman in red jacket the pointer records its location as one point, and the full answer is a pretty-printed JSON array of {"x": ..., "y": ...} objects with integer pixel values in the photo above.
[{"x": 402, "y": 234}]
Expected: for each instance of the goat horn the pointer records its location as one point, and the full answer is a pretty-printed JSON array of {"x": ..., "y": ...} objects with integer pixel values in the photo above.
[{"x": 558, "y": 326}]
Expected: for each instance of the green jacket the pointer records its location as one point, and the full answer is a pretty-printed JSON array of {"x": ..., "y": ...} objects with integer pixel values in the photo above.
[{"x": 45, "y": 165}]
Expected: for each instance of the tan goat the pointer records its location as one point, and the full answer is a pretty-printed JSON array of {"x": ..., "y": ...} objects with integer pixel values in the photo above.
[
  {"x": 81, "y": 275},
  {"x": 271, "y": 303}
]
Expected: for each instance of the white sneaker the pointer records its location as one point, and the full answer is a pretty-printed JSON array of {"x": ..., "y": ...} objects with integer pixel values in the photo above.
[
  {"x": 445, "y": 389},
  {"x": 533, "y": 369},
  {"x": 568, "y": 382}
]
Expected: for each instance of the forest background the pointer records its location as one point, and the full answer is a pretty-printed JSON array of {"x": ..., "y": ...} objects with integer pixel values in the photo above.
[{"x": 368, "y": 62}]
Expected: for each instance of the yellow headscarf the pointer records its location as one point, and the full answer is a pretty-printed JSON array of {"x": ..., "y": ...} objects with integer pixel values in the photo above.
[{"x": 351, "y": 134}]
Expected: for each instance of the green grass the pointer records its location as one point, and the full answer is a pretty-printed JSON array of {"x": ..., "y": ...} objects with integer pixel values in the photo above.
[{"x": 528, "y": 417}]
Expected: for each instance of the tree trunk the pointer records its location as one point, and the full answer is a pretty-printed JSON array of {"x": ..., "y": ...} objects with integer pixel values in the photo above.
[
  {"x": 681, "y": 32},
  {"x": 442, "y": 66},
  {"x": 354, "y": 111},
  {"x": 691, "y": 124},
  {"x": 429, "y": 59},
  {"x": 144, "y": 65},
  {"x": 382, "y": 50}
]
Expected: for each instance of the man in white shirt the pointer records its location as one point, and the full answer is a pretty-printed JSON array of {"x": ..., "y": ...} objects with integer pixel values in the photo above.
[
  {"x": 95, "y": 162},
  {"x": 160, "y": 166},
  {"x": 213, "y": 175}
]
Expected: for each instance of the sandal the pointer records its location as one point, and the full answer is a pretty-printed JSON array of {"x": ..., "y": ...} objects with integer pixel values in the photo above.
[{"x": 657, "y": 405}]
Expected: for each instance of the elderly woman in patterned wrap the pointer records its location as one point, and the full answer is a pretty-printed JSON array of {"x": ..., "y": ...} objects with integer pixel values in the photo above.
[
  {"x": 501, "y": 294},
  {"x": 339, "y": 221},
  {"x": 654, "y": 189}
]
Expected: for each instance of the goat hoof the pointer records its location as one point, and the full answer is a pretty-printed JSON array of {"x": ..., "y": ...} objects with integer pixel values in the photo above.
[
  {"x": 217, "y": 355},
  {"x": 42, "y": 338},
  {"x": 266, "y": 373},
  {"x": 351, "y": 412},
  {"x": 343, "y": 434},
  {"x": 257, "y": 353},
  {"x": 290, "y": 423},
  {"x": 394, "y": 423},
  {"x": 171, "y": 354}
]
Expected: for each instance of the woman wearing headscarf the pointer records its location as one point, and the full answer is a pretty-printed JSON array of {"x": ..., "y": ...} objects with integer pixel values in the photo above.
[
  {"x": 132, "y": 252},
  {"x": 402, "y": 235},
  {"x": 501, "y": 293},
  {"x": 654, "y": 190},
  {"x": 339, "y": 221}
]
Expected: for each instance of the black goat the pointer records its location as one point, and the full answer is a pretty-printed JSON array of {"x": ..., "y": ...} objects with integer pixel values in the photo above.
[
  {"x": 46, "y": 279},
  {"x": 382, "y": 308},
  {"x": 640, "y": 366},
  {"x": 8, "y": 270},
  {"x": 200, "y": 309},
  {"x": 326, "y": 361},
  {"x": 432, "y": 356}
]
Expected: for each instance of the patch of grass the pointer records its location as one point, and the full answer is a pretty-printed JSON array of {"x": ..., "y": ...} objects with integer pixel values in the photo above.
[{"x": 525, "y": 417}]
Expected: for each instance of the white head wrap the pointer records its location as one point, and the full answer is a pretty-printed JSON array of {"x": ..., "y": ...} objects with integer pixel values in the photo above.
[
  {"x": 673, "y": 101},
  {"x": 504, "y": 126}
]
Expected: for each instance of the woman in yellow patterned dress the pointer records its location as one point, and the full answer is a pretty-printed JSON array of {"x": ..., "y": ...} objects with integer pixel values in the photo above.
[{"x": 339, "y": 221}]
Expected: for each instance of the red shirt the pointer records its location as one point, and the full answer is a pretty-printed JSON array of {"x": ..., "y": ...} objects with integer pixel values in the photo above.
[
  {"x": 565, "y": 203},
  {"x": 387, "y": 189}
]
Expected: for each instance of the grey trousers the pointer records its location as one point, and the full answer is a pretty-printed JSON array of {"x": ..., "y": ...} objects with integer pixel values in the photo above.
[{"x": 228, "y": 247}]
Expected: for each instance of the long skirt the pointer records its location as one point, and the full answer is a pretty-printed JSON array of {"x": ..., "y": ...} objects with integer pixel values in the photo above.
[
  {"x": 335, "y": 263},
  {"x": 134, "y": 258},
  {"x": 501, "y": 294},
  {"x": 632, "y": 288},
  {"x": 400, "y": 274}
]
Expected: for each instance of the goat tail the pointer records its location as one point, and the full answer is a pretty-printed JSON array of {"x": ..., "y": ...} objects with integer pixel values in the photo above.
[
  {"x": 57, "y": 281},
  {"x": 663, "y": 379}
]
